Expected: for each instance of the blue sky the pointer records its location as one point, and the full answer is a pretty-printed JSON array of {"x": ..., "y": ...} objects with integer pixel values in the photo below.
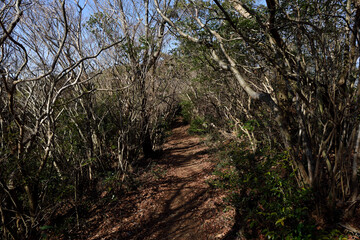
[{"x": 260, "y": 2}]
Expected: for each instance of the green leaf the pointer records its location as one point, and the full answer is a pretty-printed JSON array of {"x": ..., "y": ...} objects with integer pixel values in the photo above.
[
  {"x": 281, "y": 221},
  {"x": 46, "y": 227}
]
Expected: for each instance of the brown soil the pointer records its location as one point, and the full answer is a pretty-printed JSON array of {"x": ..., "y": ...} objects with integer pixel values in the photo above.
[{"x": 174, "y": 201}]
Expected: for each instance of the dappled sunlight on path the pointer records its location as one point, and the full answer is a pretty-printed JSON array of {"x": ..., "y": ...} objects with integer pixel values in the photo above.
[{"x": 175, "y": 203}]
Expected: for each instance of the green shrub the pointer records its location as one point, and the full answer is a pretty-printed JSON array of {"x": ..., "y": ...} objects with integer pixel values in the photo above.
[
  {"x": 198, "y": 126},
  {"x": 187, "y": 110},
  {"x": 262, "y": 187}
]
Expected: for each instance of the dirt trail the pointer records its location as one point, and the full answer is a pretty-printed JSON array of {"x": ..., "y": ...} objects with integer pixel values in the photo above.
[{"x": 174, "y": 202}]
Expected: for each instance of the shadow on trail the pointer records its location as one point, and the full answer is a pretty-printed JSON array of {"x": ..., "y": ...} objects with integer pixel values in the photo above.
[
  {"x": 183, "y": 159},
  {"x": 180, "y": 149},
  {"x": 167, "y": 224},
  {"x": 178, "y": 123},
  {"x": 180, "y": 193},
  {"x": 177, "y": 204},
  {"x": 180, "y": 205}
]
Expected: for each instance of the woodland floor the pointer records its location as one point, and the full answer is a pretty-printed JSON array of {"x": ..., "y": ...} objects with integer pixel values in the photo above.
[{"x": 174, "y": 200}]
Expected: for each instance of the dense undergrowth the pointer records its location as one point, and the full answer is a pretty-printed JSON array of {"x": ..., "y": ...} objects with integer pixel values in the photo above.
[{"x": 263, "y": 189}]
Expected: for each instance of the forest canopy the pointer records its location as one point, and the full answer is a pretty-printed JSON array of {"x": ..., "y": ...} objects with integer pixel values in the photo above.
[{"x": 89, "y": 89}]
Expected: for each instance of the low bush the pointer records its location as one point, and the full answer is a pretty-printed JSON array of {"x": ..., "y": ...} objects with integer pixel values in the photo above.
[
  {"x": 187, "y": 110},
  {"x": 198, "y": 126},
  {"x": 263, "y": 189}
]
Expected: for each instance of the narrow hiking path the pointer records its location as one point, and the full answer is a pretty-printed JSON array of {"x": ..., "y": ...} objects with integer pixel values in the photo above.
[{"x": 174, "y": 200}]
